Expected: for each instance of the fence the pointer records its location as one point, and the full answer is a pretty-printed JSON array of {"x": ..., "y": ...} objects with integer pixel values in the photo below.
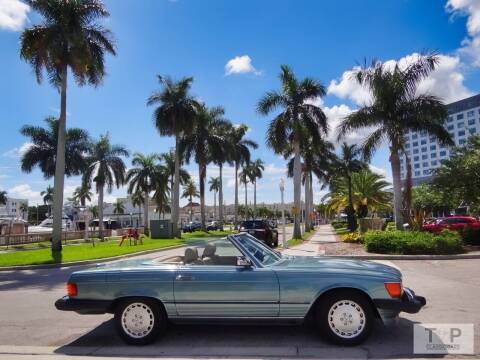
[{"x": 20, "y": 239}]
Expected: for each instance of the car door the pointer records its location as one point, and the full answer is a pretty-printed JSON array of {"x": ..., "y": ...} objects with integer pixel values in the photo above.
[{"x": 202, "y": 290}]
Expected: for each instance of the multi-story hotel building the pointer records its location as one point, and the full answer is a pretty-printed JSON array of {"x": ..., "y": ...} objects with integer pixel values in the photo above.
[{"x": 425, "y": 152}]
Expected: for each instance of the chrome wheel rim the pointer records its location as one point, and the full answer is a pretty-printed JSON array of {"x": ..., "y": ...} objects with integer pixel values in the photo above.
[
  {"x": 137, "y": 320},
  {"x": 346, "y": 319}
]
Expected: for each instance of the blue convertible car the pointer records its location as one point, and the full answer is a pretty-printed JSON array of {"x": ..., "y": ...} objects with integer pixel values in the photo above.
[{"x": 239, "y": 279}]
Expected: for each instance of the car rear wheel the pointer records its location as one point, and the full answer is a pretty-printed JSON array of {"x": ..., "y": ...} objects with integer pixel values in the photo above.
[
  {"x": 345, "y": 317},
  {"x": 140, "y": 321}
]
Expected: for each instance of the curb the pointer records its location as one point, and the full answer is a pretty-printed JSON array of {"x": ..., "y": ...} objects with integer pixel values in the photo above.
[
  {"x": 86, "y": 262},
  {"x": 408, "y": 257}
]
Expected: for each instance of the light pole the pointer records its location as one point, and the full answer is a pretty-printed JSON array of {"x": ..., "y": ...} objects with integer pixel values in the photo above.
[{"x": 284, "y": 238}]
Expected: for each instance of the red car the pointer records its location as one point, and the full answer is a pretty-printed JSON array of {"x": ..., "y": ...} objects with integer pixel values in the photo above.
[{"x": 452, "y": 223}]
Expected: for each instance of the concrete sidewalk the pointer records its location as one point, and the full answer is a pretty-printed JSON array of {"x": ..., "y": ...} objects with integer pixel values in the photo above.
[{"x": 312, "y": 247}]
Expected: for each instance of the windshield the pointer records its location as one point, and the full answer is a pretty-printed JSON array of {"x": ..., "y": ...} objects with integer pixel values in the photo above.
[
  {"x": 253, "y": 224},
  {"x": 256, "y": 249}
]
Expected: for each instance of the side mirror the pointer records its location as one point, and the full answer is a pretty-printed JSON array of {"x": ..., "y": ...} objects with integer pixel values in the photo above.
[{"x": 243, "y": 262}]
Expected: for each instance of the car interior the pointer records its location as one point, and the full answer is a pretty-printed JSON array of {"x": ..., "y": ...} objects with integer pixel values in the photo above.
[{"x": 209, "y": 256}]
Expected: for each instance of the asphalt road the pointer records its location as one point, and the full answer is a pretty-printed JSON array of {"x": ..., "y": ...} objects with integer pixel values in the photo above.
[{"x": 28, "y": 318}]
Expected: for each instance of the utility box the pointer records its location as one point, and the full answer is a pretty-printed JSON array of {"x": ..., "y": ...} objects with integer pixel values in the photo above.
[{"x": 161, "y": 229}]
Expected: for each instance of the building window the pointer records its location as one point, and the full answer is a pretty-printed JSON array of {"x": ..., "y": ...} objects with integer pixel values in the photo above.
[
  {"x": 471, "y": 121},
  {"x": 416, "y": 166},
  {"x": 471, "y": 113},
  {"x": 425, "y": 164},
  {"x": 407, "y": 146},
  {"x": 472, "y": 130},
  {"x": 462, "y": 141},
  {"x": 433, "y": 147},
  {"x": 461, "y": 133},
  {"x": 432, "y": 139},
  {"x": 415, "y": 143},
  {"x": 424, "y": 149},
  {"x": 414, "y": 136},
  {"x": 443, "y": 153},
  {"x": 433, "y": 155},
  {"x": 423, "y": 142},
  {"x": 415, "y": 151},
  {"x": 417, "y": 173},
  {"x": 460, "y": 125},
  {"x": 434, "y": 162},
  {"x": 450, "y": 127},
  {"x": 423, "y": 133},
  {"x": 452, "y": 134},
  {"x": 459, "y": 116},
  {"x": 424, "y": 157},
  {"x": 415, "y": 158},
  {"x": 450, "y": 118},
  {"x": 426, "y": 172}
]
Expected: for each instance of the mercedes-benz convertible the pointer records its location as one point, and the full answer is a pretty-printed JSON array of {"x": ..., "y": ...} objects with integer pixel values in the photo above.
[{"x": 238, "y": 279}]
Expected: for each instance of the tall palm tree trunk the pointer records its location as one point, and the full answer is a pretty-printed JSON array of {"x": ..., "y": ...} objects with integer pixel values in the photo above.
[
  {"x": 191, "y": 208},
  {"x": 312, "y": 205},
  {"x": 307, "y": 202},
  {"x": 236, "y": 196},
  {"x": 397, "y": 188},
  {"x": 60, "y": 167},
  {"x": 254, "y": 199},
  {"x": 246, "y": 203},
  {"x": 352, "y": 224},
  {"x": 297, "y": 188},
  {"x": 176, "y": 187},
  {"x": 202, "y": 171},
  {"x": 220, "y": 198},
  {"x": 145, "y": 217},
  {"x": 215, "y": 204},
  {"x": 100, "y": 212}
]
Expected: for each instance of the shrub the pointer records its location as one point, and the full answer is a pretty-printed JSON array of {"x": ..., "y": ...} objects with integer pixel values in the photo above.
[
  {"x": 339, "y": 224},
  {"x": 470, "y": 236},
  {"x": 353, "y": 237},
  {"x": 391, "y": 226},
  {"x": 412, "y": 242}
]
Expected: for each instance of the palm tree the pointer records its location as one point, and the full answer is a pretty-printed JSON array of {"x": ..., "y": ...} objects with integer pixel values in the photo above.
[
  {"x": 68, "y": 37},
  {"x": 169, "y": 159},
  {"x": 23, "y": 209},
  {"x": 397, "y": 107},
  {"x": 256, "y": 172},
  {"x": 143, "y": 178},
  {"x": 174, "y": 116},
  {"x": 43, "y": 149},
  {"x": 245, "y": 176},
  {"x": 94, "y": 210},
  {"x": 161, "y": 195},
  {"x": 48, "y": 195},
  {"x": 298, "y": 119},
  {"x": 239, "y": 154},
  {"x": 202, "y": 142},
  {"x": 189, "y": 192},
  {"x": 368, "y": 193},
  {"x": 3, "y": 197},
  {"x": 349, "y": 162},
  {"x": 81, "y": 194},
  {"x": 118, "y": 208},
  {"x": 138, "y": 199},
  {"x": 105, "y": 168},
  {"x": 214, "y": 183}
]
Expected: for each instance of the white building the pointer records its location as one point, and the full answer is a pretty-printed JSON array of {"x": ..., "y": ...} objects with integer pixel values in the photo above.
[
  {"x": 425, "y": 152},
  {"x": 13, "y": 209}
]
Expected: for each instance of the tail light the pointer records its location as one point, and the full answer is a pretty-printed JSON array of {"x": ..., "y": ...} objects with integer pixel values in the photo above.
[
  {"x": 394, "y": 289},
  {"x": 72, "y": 289}
]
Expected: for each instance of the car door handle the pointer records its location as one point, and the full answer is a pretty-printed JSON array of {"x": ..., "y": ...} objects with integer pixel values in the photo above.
[{"x": 184, "y": 278}]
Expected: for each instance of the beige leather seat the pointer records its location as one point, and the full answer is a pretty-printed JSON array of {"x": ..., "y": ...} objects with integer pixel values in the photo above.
[
  {"x": 209, "y": 257},
  {"x": 191, "y": 257}
]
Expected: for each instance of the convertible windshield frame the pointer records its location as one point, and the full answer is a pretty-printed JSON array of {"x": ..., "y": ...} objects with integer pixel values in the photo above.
[{"x": 274, "y": 254}]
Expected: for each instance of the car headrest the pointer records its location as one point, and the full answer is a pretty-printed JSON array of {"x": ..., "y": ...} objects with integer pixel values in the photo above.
[
  {"x": 209, "y": 250},
  {"x": 191, "y": 255}
]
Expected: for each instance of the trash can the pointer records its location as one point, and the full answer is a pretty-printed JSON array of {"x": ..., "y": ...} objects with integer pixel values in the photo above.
[{"x": 161, "y": 229}]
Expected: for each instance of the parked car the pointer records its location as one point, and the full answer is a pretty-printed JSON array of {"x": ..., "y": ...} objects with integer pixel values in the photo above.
[
  {"x": 191, "y": 226},
  {"x": 213, "y": 225},
  {"x": 452, "y": 223},
  {"x": 238, "y": 279},
  {"x": 261, "y": 230},
  {"x": 273, "y": 223}
]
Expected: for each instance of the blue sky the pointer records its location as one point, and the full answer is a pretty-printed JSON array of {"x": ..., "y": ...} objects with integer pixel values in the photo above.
[{"x": 234, "y": 50}]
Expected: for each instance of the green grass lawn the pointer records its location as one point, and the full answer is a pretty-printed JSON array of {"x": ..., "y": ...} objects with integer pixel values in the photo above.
[
  {"x": 78, "y": 251},
  {"x": 342, "y": 231},
  {"x": 306, "y": 236}
]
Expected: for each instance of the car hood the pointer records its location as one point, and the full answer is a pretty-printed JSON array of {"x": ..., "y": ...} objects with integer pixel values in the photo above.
[{"x": 334, "y": 264}]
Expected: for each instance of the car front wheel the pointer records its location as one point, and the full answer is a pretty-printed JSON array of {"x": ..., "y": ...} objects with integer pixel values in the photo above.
[
  {"x": 140, "y": 321},
  {"x": 345, "y": 317}
]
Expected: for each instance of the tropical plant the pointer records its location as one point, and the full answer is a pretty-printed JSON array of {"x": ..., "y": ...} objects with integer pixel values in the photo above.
[
  {"x": 239, "y": 154},
  {"x": 169, "y": 162},
  {"x": 3, "y": 197},
  {"x": 256, "y": 172},
  {"x": 299, "y": 118},
  {"x": 201, "y": 143},
  {"x": 350, "y": 161},
  {"x": 105, "y": 168},
  {"x": 174, "y": 116},
  {"x": 118, "y": 208},
  {"x": 42, "y": 150},
  {"x": 81, "y": 194},
  {"x": 189, "y": 192},
  {"x": 23, "y": 209},
  {"x": 397, "y": 106},
  {"x": 67, "y": 38},
  {"x": 47, "y": 197},
  {"x": 368, "y": 193},
  {"x": 214, "y": 183},
  {"x": 245, "y": 176},
  {"x": 143, "y": 177},
  {"x": 93, "y": 210},
  {"x": 138, "y": 199}
]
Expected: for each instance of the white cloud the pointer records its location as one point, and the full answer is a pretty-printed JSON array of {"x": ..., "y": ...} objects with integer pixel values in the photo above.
[
  {"x": 446, "y": 81},
  {"x": 240, "y": 65},
  {"x": 16, "y": 152},
  {"x": 13, "y": 14},
  {"x": 24, "y": 191},
  {"x": 470, "y": 45}
]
